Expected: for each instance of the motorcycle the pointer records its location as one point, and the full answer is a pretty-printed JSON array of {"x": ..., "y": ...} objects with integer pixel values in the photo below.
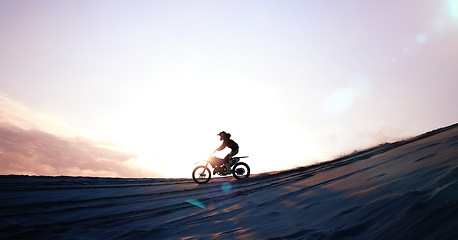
[{"x": 202, "y": 173}]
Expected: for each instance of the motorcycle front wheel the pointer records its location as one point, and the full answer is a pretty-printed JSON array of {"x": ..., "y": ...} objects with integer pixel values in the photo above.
[
  {"x": 241, "y": 170},
  {"x": 201, "y": 174}
]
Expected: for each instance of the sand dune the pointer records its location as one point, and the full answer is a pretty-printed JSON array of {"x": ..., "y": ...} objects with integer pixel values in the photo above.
[{"x": 402, "y": 190}]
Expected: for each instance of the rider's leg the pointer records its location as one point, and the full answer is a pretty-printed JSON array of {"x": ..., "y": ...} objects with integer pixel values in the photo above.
[
  {"x": 226, "y": 163},
  {"x": 228, "y": 158}
]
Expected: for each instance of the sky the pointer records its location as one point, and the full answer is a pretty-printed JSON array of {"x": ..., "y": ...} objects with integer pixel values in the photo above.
[{"x": 141, "y": 88}]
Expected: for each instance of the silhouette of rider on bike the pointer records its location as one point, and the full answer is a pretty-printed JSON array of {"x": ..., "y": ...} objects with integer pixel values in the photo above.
[{"x": 227, "y": 142}]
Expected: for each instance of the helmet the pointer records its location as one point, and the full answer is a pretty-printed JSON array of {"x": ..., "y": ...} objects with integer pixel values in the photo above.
[
  {"x": 221, "y": 134},
  {"x": 224, "y": 135}
]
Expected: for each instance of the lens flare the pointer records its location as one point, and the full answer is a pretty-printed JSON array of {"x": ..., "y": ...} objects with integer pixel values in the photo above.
[
  {"x": 454, "y": 8},
  {"x": 226, "y": 187},
  {"x": 339, "y": 101},
  {"x": 361, "y": 85},
  {"x": 196, "y": 203},
  {"x": 421, "y": 38}
]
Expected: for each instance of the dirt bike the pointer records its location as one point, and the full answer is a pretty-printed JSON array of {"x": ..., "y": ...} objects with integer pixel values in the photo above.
[{"x": 202, "y": 173}]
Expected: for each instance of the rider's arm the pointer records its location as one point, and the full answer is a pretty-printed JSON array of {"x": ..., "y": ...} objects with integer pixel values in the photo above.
[{"x": 221, "y": 147}]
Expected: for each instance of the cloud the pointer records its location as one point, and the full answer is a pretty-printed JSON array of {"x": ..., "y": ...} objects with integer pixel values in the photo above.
[
  {"x": 34, "y": 152},
  {"x": 35, "y": 143},
  {"x": 15, "y": 113}
]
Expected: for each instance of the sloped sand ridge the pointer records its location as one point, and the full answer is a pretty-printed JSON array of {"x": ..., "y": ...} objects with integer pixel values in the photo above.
[{"x": 403, "y": 190}]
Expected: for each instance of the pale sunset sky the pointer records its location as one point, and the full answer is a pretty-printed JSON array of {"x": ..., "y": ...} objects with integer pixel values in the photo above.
[{"x": 141, "y": 88}]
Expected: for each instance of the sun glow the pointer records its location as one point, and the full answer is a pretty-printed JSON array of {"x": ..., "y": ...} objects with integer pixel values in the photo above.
[
  {"x": 171, "y": 159},
  {"x": 171, "y": 152},
  {"x": 171, "y": 167}
]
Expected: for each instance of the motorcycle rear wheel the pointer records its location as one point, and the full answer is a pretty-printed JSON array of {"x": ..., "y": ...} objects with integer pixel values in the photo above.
[
  {"x": 201, "y": 174},
  {"x": 241, "y": 170}
]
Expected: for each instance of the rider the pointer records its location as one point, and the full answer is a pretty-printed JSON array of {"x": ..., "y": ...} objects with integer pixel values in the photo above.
[{"x": 227, "y": 142}]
